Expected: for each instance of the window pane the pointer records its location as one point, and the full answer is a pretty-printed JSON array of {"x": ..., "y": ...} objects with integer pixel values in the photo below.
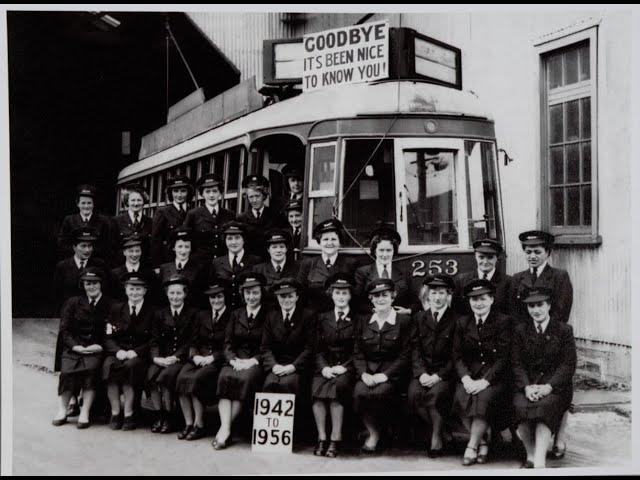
[
  {"x": 571, "y": 67},
  {"x": 206, "y": 166},
  {"x": 482, "y": 202},
  {"x": 573, "y": 163},
  {"x": 431, "y": 200},
  {"x": 555, "y": 71},
  {"x": 324, "y": 169},
  {"x": 586, "y": 202},
  {"x": 557, "y": 165},
  {"x": 573, "y": 206},
  {"x": 218, "y": 163},
  {"x": 234, "y": 170},
  {"x": 555, "y": 124},
  {"x": 585, "y": 115},
  {"x": 586, "y": 161},
  {"x": 573, "y": 121},
  {"x": 585, "y": 63},
  {"x": 557, "y": 207}
]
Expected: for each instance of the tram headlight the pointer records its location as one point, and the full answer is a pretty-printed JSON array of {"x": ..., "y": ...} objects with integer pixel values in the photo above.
[{"x": 430, "y": 126}]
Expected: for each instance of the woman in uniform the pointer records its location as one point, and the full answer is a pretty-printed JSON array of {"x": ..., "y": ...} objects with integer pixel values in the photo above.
[
  {"x": 132, "y": 253},
  {"x": 481, "y": 351},
  {"x": 384, "y": 242},
  {"x": 128, "y": 337},
  {"x": 382, "y": 356},
  {"x": 198, "y": 379},
  {"x": 235, "y": 263},
  {"x": 293, "y": 213},
  {"x": 332, "y": 386},
  {"x": 543, "y": 357},
  {"x": 258, "y": 218},
  {"x": 179, "y": 192},
  {"x": 171, "y": 334},
  {"x": 242, "y": 375},
  {"x": 431, "y": 390},
  {"x": 279, "y": 265},
  {"x": 184, "y": 265},
  {"x": 133, "y": 221},
  {"x": 82, "y": 329},
  {"x": 315, "y": 270},
  {"x": 206, "y": 221}
]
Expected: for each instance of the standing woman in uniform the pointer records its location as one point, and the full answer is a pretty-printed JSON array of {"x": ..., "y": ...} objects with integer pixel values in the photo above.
[
  {"x": 431, "y": 390},
  {"x": 293, "y": 213},
  {"x": 258, "y": 217},
  {"x": 280, "y": 263},
  {"x": 332, "y": 386},
  {"x": 314, "y": 271},
  {"x": 242, "y": 374},
  {"x": 179, "y": 192},
  {"x": 198, "y": 379},
  {"x": 543, "y": 358},
  {"x": 82, "y": 329},
  {"x": 133, "y": 221},
  {"x": 206, "y": 221},
  {"x": 171, "y": 334},
  {"x": 128, "y": 337},
  {"x": 481, "y": 350},
  {"x": 235, "y": 263},
  {"x": 382, "y": 356},
  {"x": 132, "y": 253}
]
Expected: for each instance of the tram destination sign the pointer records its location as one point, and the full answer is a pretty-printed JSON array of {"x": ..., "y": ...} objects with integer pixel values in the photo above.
[{"x": 355, "y": 54}]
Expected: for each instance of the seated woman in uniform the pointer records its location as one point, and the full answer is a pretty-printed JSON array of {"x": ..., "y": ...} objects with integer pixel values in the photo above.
[
  {"x": 385, "y": 241},
  {"x": 242, "y": 375},
  {"x": 198, "y": 379},
  {"x": 543, "y": 357},
  {"x": 382, "y": 356},
  {"x": 82, "y": 328},
  {"x": 287, "y": 342},
  {"x": 128, "y": 337},
  {"x": 481, "y": 350},
  {"x": 133, "y": 221},
  {"x": 185, "y": 266},
  {"x": 315, "y": 270},
  {"x": 171, "y": 334},
  {"x": 235, "y": 263},
  {"x": 431, "y": 390},
  {"x": 279, "y": 265},
  {"x": 334, "y": 377}
]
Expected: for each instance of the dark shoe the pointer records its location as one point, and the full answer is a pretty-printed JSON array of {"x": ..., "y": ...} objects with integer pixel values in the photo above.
[
  {"x": 433, "y": 453},
  {"x": 116, "y": 422},
  {"x": 185, "y": 431},
  {"x": 333, "y": 449},
  {"x": 83, "y": 425},
  {"x": 59, "y": 422},
  {"x": 129, "y": 423},
  {"x": 527, "y": 464},
  {"x": 221, "y": 445},
  {"x": 483, "y": 453},
  {"x": 321, "y": 448},
  {"x": 468, "y": 461},
  {"x": 157, "y": 425},
  {"x": 369, "y": 450},
  {"x": 167, "y": 426},
  {"x": 557, "y": 453},
  {"x": 196, "y": 433}
]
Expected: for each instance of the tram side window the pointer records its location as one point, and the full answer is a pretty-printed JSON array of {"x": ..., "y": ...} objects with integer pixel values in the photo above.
[
  {"x": 430, "y": 193},
  {"x": 482, "y": 200},
  {"x": 323, "y": 182},
  {"x": 369, "y": 188}
]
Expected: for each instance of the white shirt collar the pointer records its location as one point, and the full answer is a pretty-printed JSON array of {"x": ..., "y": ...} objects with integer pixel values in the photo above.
[
  {"x": 540, "y": 269},
  {"x": 77, "y": 260},
  {"x": 179, "y": 206},
  {"x": 179, "y": 310},
  {"x": 132, "y": 216},
  {"x": 544, "y": 324},
  {"x": 336, "y": 311},
  {"x": 253, "y": 312},
  {"x": 212, "y": 209},
  {"x": 220, "y": 312},
  {"x": 489, "y": 275},
  {"x": 440, "y": 312},
  {"x": 391, "y": 319},
  {"x": 481, "y": 317},
  {"x": 183, "y": 262},
  {"x": 332, "y": 259},
  {"x": 253, "y": 210},
  {"x": 380, "y": 266},
  {"x": 281, "y": 265},
  {"x": 138, "y": 306},
  {"x": 291, "y": 313},
  {"x": 86, "y": 218},
  {"x": 97, "y": 299},
  {"x": 240, "y": 255},
  {"x": 131, "y": 267}
]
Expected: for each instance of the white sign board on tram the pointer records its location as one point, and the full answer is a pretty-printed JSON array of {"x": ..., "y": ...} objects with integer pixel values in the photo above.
[{"x": 341, "y": 56}]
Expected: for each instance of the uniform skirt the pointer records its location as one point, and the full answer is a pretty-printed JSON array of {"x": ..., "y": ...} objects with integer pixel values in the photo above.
[
  {"x": 201, "y": 382},
  {"x": 548, "y": 410},
  {"x": 125, "y": 372},
  {"x": 488, "y": 404},
  {"x": 166, "y": 377},
  {"x": 78, "y": 372},
  {"x": 338, "y": 389},
  {"x": 285, "y": 384},
  {"x": 239, "y": 384},
  {"x": 374, "y": 400},
  {"x": 438, "y": 396}
]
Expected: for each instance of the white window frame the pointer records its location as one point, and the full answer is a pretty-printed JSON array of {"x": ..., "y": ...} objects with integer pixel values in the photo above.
[
  {"x": 570, "y": 234},
  {"x": 314, "y": 194}
]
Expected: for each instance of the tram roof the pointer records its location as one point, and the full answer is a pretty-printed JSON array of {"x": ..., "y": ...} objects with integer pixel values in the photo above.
[{"x": 348, "y": 101}]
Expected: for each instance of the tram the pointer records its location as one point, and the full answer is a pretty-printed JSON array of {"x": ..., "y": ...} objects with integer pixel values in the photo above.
[{"x": 417, "y": 155}]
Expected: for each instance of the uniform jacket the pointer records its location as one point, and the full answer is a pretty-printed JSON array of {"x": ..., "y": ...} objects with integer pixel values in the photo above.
[
  {"x": 548, "y": 358},
  {"x": 285, "y": 345},
  {"x": 367, "y": 273},
  {"x": 312, "y": 275},
  {"x": 194, "y": 272},
  {"x": 485, "y": 354},
  {"x": 165, "y": 221},
  {"x": 208, "y": 239},
  {"x": 154, "y": 290},
  {"x": 243, "y": 338},
  {"x": 169, "y": 338},
  {"x": 124, "y": 227},
  {"x": 554, "y": 278},
  {"x": 126, "y": 333},
  {"x": 257, "y": 228},
  {"x": 502, "y": 282},
  {"x": 81, "y": 324},
  {"x": 433, "y": 344},
  {"x": 102, "y": 225},
  {"x": 66, "y": 279},
  {"x": 335, "y": 341},
  {"x": 221, "y": 268},
  {"x": 266, "y": 268},
  {"x": 385, "y": 351},
  {"x": 208, "y": 338}
]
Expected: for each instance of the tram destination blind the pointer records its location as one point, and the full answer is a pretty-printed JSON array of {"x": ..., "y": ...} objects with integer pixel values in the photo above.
[
  {"x": 341, "y": 56},
  {"x": 273, "y": 415}
]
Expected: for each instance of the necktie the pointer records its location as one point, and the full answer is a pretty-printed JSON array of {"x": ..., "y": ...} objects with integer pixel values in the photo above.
[
  {"x": 85, "y": 220},
  {"x": 328, "y": 264},
  {"x": 251, "y": 318},
  {"x": 340, "y": 316},
  {"x": 296, "y": 232},
  {"x": 216, "y": 315},
  {"x": 92, "y": 303},
  {"x": 278, "y": 269},
  {"x": 257, "y": 214},
  {"x": 480, "y": 322},
  {"x": 175, "y": 315},
  {"x": 83, "y": 264},
  {"x": 385, "y": 272},
  {"x": 485, "y": 275},
  {"x": 435, "y": 316},
  {"x": 287, "y": 319},
  {"x": 234, "y": 264},
  {"x": 180, "y": 266},
  {"x": 539, "y": 327},
  {"x": 534, "y": 274},
  {"x": 133, "y": 311},
  {"x": 136, "y": 220}
]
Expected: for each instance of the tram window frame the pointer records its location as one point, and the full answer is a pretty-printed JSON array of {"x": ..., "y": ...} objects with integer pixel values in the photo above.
[
  {"x": 563, "y": 95},
  {"x": 314, "y": 196}
]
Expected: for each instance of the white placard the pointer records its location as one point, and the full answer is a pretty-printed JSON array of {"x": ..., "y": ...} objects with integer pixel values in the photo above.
[
  {"x": 359, "y": 53},
  {"x": 273, "y": 422}
]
